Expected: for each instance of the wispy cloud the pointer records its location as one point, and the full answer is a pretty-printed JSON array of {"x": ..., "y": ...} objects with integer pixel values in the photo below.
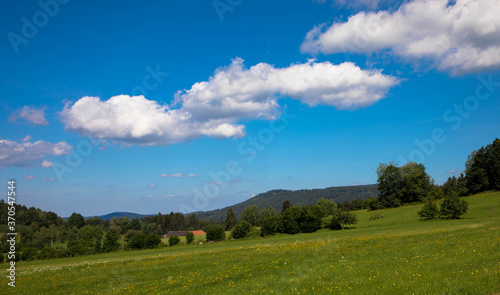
[
  {"x": 15, "y": 154},
  {"x": 46, "y": 164},
  {"x": 193, "y": 175},
  {"x": 29, "y": 177},
  {"x": 150, "y": 186},
  {"x": 175, "y": 175},
  {"x": 30, "y": 114}
]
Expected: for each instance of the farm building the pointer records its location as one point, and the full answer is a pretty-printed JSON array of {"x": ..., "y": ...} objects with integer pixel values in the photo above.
[{"x": 183, "y": 233}]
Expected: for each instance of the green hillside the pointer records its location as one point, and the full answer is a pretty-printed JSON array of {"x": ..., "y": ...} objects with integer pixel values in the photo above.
[
  {"x": 399, "y": 254},
  {"x": 276, "y": 198}
]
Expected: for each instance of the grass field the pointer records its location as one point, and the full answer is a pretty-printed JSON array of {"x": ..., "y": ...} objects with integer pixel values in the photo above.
[{"x": 397, "y": 255}]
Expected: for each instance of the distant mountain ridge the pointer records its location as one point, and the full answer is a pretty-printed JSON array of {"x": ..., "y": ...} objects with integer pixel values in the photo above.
[
  {"x": 119, "y": 215},
  {"x": 276, "y": 198}
]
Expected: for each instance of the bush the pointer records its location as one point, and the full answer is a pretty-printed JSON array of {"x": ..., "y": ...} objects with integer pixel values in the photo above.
[
  {"x": 289, "y": 220},
  {"x": 189, "y": 238},
  {"x": 47, "y": 253},
  {"x": 152, "y": 240},
  {"x": 254, "y": 232},
  {"x": 216, "y": 233},
  {"x": 110, "y": 242},
  {"x": 342, "y": 218},
  {"x": 429, "y": 210},
  {"x": 309, "y": 222},
  {"x": 62, "y": 253},
  {"x": 77, "y": 248},
  {"x": 137, "y": 241},
  {"x": 130, "y": 233},
  {"x": 270, "y": 226},
  {"x": 241, "y": 230},
  {"x": 376, "y": 217},
  {"x": 29, "y": 253},
  {"x": 173, "y": 240},
  {"x": 453, "y": 207}
]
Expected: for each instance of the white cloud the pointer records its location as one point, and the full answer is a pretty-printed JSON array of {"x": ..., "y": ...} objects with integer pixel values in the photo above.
[
  {"x": 30, "y": 114},
  {"x": 15, "y": 154},
  {"x": 193, "y": 175},
  {"x": 175, "y": 175},
  {"x": 29, "y": 177},
  {"x": 150, "y": 186},
  {"x": 213, "y": 108},
  {"x": 49, "y": 178},
  {"x": 27, "y": 138},
  {"x": 461, "y": 37},
  {"x": 46, "y": 164}
]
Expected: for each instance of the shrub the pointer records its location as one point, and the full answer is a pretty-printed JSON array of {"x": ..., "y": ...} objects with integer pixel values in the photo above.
[
  {"x": 47, "y": 253},
  {"x": 97, "y": 246},
  {"x": 309, "y": 222},
  {"x": 130, "y": 233},
  {"x": 189, "y": 238},
  {"x": 269, "y": 226},
  {"x": 241, "y": 230},
  {"x": 62, "y": 253},
  {"x": 429, "y": 210},
  {"x": 29, "y": 253},
  {"x": 152, "y": 240},
  {"x": 110, "y": 242},
  {"x": 342, "y": 218},
  {"x": 137, "y": 241},
  {"x": 254, "y": 232},
  {"x": 376, "y": 217},
  {"x": 453, "y": 207},
  {"x": 216, "y": 233},
  {"x": 289, "y": 220},
  {"x": 77, "y": 248},
  {"x": 173, "y": 240}
]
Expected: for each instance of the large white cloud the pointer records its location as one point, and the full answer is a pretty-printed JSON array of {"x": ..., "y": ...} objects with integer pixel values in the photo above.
[
  {"x": 459, "y": 37},
  {"x": 23, "y": 154},
  {"x": 213, "y": 108},
  {"x": 137, "y": 120}
]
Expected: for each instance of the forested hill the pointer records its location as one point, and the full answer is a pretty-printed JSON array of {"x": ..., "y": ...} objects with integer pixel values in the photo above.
[{"x": 276, "y": 198}]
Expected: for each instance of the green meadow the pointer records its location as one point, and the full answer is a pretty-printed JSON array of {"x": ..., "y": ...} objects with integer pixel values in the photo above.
[{"x": 398, "y": 254}]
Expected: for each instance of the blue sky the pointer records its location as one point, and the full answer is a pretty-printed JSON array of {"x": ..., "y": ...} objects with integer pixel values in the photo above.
[{"x": 166, "y": 106}]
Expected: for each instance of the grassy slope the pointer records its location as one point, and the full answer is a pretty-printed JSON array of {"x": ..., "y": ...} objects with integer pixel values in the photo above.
[{"x": 399, "y": 255}]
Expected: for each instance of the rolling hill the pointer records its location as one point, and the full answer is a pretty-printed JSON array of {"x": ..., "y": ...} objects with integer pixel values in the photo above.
[{"x": 276, "y": 198}]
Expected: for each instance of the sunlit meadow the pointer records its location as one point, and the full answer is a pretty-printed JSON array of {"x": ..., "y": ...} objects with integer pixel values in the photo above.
[{"x": 399, "y": 254}]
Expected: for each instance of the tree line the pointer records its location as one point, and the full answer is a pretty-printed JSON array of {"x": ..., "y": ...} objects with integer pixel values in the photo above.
[{"x": 45, "y": 235}]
